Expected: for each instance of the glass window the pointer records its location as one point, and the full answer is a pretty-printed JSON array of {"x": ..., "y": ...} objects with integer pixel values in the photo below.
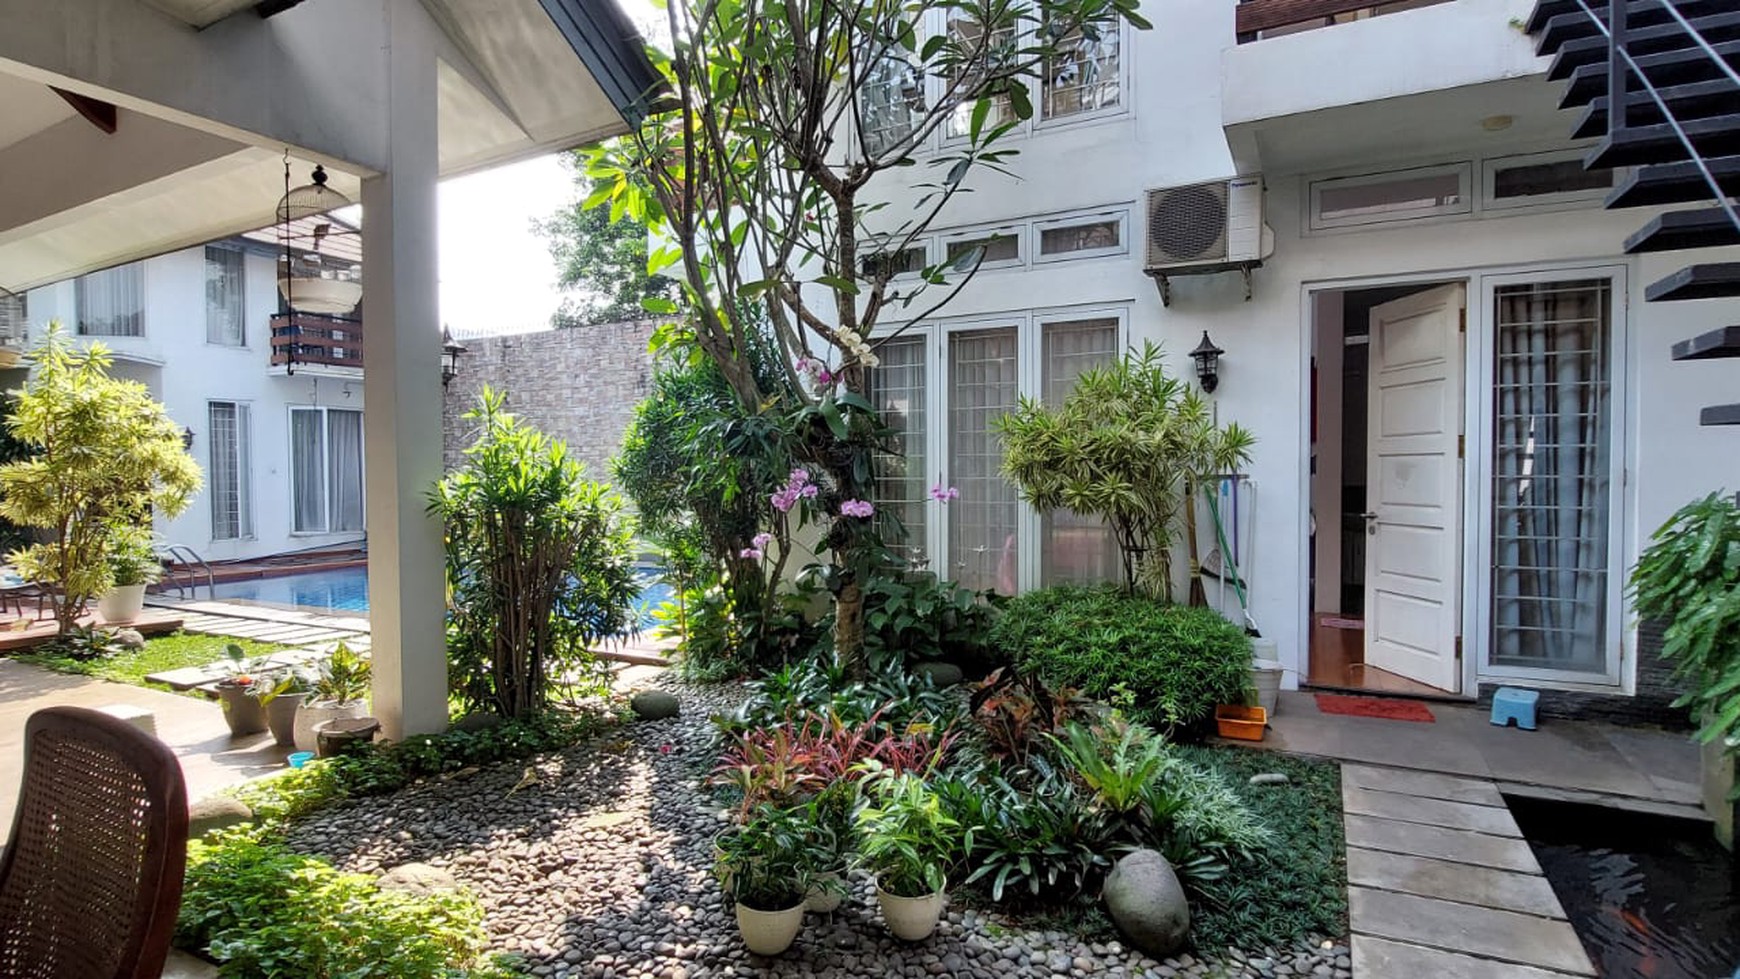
[
  {"x": 909, "y": 261},
  {"x": 326, "y": 470},
  {"x": 1390, "y": 197},
  {"x": 897, "y": 388},
  {"x": 893, "y": 104},
  {"x": 1092, "y": 235},
  {"x": 999, "y": 248},
  {"x": 980, "y": 51},
  {"x": 224, "y": 321},
  {"x": 232, "y": 514},
  {"x": 1552, "y": 422},
  {"x": 1084, "y": 77},
  {"x": 1535, "y": 179},
  {"x": 984, "y": 523},
  {"x": 1076, "y": 549},
  {"x": 111, "y": 303}
]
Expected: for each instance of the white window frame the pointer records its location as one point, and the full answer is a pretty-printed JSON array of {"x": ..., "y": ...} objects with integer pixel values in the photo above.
[
  {"x": 1315, "y": 221},
  {"x": 923, "y": 244},
  {"x": 1075, "y": 219},
  {"x": 1015, "y": 231},
  {"x": 935, "y": 86},
  {"x": 246, "y": 528},
  {"x": 326, "y": 470},
  {"x": 1490, "y": 201}
]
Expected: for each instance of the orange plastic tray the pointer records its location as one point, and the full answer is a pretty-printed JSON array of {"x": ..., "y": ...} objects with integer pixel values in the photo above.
[{"x": 1241, "y": 723}]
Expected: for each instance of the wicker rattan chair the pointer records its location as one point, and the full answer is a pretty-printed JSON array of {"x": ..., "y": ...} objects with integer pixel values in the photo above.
[{"x": 90, "y": 880}]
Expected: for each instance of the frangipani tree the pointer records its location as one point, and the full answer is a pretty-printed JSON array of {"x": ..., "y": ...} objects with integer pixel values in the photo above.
[
  {"x": 104, "y": 457},
  {"x": 1130, "y": 444},
  {"x": 766, "y": 178}
]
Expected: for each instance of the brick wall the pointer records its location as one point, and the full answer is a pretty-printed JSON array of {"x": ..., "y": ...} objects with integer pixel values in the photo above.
[{"x": 579, "y": 385}]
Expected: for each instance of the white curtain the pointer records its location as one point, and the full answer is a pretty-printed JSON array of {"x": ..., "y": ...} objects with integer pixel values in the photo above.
[
  {"x": 307, "y": 470},
  {"x": 1551, "y": 476},
  {"x": 903, "y": 479},
  {"x": 1076, "y": 549},
  {"x": 983, "y": 523},
  {"x": 345, "y": 443},
  {"x": 111, "y": 303},
  {"x": 223, "y": 296}
]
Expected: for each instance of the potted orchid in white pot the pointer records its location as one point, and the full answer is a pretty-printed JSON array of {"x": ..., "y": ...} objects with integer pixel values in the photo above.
[{"x": 908, "y": 841}]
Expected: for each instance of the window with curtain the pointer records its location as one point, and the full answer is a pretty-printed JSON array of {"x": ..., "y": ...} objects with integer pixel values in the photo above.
[
  {"x": 326, "y": 470},
  {"x": 897, "y": 388},
  {"x": 229, "y": 470},
  {"x": 224, "y": 322},
  {"x": 1075, "y": 549},
  {"x": 984, "y": 523},
  {"x": 111, "y": 303},
  {"x": 1552, "y": 418}
]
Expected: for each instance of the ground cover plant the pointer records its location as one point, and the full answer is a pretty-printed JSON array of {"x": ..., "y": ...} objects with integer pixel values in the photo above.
[
  {"x": 110, "y": 661},
  {"x": 1165, "y": 665}
]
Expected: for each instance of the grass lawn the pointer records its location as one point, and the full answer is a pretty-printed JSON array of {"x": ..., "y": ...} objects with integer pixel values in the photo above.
[
  {"x": 164, "y": 653},
  {"x": 1299, "y": 886}
]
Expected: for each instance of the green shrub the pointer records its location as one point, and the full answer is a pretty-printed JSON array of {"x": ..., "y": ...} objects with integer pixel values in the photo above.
[
  {"x": 1166, "y": 665},
  {"x": 918, "y": 617},
  {"x": 264, "y": 912}
]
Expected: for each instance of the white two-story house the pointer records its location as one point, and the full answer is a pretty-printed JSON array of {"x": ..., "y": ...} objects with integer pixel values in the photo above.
[{"x": 1468, "y": 420}]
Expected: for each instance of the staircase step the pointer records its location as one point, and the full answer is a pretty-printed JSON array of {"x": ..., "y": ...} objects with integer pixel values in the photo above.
[
  {"x": 1676, "y": 230},
  {"x": 1664, "y": 70},
  {"x": 1556, "y": 23},
  {"x": 1719, "y": 344},
  {"x": 1676, "y": 183},
  {"x": 1699, "y": 100},
  {"x": 1720, "y": 415},
  {"x": 1647, "y": 40},
  {"x": 1643, "y": 145},
  {"x": 1715, "y": 280}
]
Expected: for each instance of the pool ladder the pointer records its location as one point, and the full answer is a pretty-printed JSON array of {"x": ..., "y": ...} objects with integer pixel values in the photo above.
[{"x": 182, "y": 568}]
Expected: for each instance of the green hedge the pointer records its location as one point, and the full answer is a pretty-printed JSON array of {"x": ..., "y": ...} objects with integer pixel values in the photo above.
[{"x": 1166, "y": 665}]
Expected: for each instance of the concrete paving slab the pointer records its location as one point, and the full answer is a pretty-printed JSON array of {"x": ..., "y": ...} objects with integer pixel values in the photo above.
[
  {"x": 184, "y": 966},
  {"x": 1449, "y": 881},
  {"x": 1459, "y": 846},
  {"x": 1425, "y": 784},
  {"x": 1375, "y": 958},
  {"x": 1492, "y": 820},
  {"x": 1478, "y": 932}
]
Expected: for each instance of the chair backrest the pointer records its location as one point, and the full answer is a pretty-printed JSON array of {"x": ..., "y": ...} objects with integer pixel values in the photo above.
[{"x": 90, "y": 881}]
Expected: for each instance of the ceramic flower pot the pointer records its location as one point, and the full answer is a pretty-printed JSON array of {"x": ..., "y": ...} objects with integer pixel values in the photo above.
[
  {"x": 121, "y": 604},
  {"x": 825, "y": 894},
  {"x": 281, "y": 717},
  {"x": 769, "y": 932},
  {"x": 312, "y": 713},
  {"x": 911, "y": 918},
  {"x": 242, "y": 710}
]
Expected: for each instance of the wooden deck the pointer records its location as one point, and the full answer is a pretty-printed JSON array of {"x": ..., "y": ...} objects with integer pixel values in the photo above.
[{"x": 28, "y": 632}]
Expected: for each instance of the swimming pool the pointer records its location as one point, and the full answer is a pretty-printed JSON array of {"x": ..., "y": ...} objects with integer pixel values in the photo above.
[{"x": 346, "y": 590}]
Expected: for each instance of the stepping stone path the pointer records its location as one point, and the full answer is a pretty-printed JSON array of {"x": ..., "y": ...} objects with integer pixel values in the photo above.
[{"x": 1442, "y": 884}]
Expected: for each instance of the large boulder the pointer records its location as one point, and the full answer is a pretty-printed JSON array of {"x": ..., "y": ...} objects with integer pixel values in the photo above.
[
  {"x": 941, "y": 674},
  {"x": 418, "y": 879},
  {"x": 1147, "y": 903},
  {"x": 216, "y": 812},
  {"x": 478, "y": 721},
  {"x": 655, "y": 705}
]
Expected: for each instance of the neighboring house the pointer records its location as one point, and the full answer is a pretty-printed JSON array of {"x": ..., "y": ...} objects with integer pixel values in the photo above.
[
  {"x": 272, "y": 403},
  {"x": 1468, "y": 420}
]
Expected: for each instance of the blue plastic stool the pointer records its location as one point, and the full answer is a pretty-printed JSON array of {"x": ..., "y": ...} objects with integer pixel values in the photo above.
[{"x": 1510, "y": 704}]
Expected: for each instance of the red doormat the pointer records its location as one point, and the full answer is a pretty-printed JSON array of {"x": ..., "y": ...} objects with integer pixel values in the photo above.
[{"x": 1389, "y": 710}]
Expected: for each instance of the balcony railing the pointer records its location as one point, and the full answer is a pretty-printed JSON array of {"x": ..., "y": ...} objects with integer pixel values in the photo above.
[
  {"x": 316, "y": 339},
  {"x": 1259, "y": 19}
]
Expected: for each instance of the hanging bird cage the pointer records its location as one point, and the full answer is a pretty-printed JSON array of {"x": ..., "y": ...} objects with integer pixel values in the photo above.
[{"x": 313, "y": 276}]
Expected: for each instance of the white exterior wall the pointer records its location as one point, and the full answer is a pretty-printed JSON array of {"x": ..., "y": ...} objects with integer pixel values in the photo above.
[
  {"x": 1171, "y": 131},
  {"x": 186, "y": 372}
]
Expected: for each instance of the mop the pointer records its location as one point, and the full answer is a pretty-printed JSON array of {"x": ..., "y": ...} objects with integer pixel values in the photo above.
[{"x": 1229, "y": 571}]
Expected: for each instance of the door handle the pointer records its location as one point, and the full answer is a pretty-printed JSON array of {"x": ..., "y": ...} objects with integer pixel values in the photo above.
[{"x": 1371, "y": 521}]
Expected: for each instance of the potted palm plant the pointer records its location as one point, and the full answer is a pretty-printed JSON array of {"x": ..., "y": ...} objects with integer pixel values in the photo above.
[
  {"x": 133, "y": 566},
  {"x": 337, "y": 694},
  {"x": 242, "y": 710},
  {"x": 282, "y": 692},
  {"x": 908, "y": 841},
  {"x": 766, "y": 866}
]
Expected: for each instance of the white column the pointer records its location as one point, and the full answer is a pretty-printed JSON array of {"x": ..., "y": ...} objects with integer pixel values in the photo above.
[{"x": 402, "y": 390}]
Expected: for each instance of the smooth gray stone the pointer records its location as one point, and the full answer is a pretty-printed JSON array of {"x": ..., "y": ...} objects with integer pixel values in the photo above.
[
  {"x": 655, "y": 705},
  {"x": 1146, "y": 901}
]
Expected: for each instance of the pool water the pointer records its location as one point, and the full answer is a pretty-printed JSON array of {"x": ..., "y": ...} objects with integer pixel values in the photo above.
[
  {"x": 347, "y": 590},
  {"x": 1650, "y": 897}
]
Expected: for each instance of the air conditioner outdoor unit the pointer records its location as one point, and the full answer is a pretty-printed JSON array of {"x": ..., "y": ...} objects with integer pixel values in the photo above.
[{"x": 1209, "y": 227}]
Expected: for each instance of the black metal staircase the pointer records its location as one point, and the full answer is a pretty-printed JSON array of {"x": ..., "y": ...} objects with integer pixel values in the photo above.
[{"x": 1659, "y": 83}]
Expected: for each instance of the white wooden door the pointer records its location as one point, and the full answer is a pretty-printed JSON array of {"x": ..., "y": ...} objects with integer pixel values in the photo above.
[{"x": 1414, "y": 487}]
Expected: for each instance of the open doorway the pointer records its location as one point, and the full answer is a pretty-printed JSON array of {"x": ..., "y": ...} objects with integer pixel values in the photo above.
[{"x": 1386, "y": 488}]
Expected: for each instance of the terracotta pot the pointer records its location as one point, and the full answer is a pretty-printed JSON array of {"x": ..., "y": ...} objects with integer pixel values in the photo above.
[
  {"x": 312, "y": 713},
  {"x": 121, "y": 604},
  {"x": 242, "y": 710},
  {"x": 911, "y": 918},
  {"x": 769, "y": 932},
  {"x": 281, "y": 717}
]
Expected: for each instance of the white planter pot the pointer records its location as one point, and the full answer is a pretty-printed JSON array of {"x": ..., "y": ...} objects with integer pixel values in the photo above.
[
  {"x": 769, "y": 932},
  {"x": 121, "y": 604},
  {"x": 1266, "y": 678},
  {"x": 911, "y": 918},
  {"x": 825, "y": 894},
  {"x": 310, "y": 714}
]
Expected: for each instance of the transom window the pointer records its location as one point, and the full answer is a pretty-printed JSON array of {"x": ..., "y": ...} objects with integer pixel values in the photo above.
[
  {"x": 999, "y": 248},
  {"x": 1390, "y": 196},
  {"x": 1100, "y": 234}
]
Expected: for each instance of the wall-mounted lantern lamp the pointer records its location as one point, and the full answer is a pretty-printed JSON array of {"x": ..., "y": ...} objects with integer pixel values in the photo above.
[
  {"x": 187, "y": 437},
  {"x": 1207, "y": 357},
  {"x": 450, "y": 351}
]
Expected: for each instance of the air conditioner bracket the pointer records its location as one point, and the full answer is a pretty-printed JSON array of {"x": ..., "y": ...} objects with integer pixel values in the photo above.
[{"x": 1163, "y": 277}]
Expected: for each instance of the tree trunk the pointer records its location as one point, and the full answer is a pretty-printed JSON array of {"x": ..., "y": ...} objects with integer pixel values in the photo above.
[{"x": 849, "y": 631}]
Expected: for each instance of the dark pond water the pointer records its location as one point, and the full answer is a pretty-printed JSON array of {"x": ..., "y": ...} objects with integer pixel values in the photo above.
[{"x": 1651, "y": 897}]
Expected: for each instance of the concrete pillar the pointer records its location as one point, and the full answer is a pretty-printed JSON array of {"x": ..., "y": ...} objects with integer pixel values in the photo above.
[{"x": 402, "y": 390}]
